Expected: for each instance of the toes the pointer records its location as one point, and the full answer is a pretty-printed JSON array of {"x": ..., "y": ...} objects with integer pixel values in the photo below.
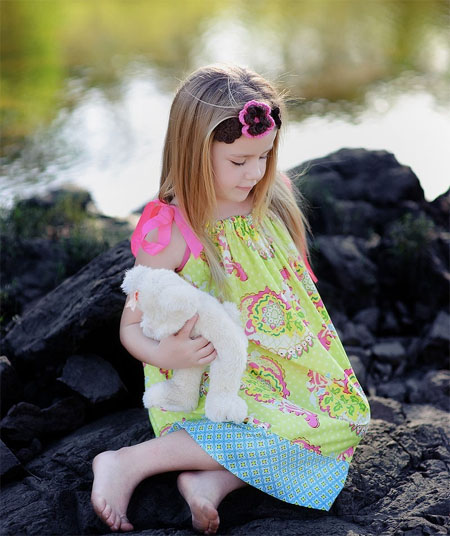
[
  {"x": 112, "y": 521},
  {"x": 107, "y": 511},
  {"x": 125, "y": 524},
  {"x": 99, "y": 504},
  {"x": 213, "y": 526}
]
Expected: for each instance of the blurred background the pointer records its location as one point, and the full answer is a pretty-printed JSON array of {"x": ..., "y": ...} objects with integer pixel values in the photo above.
[{"x": 87, "y": 85}]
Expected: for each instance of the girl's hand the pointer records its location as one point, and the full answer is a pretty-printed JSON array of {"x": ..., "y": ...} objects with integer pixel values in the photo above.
[{"x": 183, "y": 351}]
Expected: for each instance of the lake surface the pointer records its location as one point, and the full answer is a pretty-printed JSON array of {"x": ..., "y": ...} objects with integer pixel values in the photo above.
[{"x": 87, "y": 86}]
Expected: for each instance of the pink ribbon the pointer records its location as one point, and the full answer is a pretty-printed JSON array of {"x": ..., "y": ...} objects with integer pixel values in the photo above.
[{"x": 161, "y": 215}]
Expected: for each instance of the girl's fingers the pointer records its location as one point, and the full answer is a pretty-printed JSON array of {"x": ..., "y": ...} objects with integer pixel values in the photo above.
[
  {"x": 201, "y": 342},
  {"x": 189, "y": 325},
  {"x": 208, "y": 359}
]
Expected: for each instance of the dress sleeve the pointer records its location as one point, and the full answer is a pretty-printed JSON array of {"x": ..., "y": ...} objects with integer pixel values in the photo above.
[{"x": 160, "y": 215}]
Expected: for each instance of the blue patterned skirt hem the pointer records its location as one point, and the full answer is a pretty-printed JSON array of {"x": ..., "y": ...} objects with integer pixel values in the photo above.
[{"x": 270, "y": 463}]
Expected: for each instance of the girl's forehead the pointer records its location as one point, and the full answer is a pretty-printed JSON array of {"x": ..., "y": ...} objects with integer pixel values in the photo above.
[{"x": 247, "y": 146}]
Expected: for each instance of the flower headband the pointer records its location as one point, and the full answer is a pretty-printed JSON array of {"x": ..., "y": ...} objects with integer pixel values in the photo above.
[{"x": 255, "y": 120}]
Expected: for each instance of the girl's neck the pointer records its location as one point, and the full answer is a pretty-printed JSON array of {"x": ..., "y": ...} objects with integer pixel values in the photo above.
[{"x": 224, "y": 210}]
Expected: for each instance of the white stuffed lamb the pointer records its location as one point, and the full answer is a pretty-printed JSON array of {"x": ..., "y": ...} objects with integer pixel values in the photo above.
[{"x": 167, "y": 301}]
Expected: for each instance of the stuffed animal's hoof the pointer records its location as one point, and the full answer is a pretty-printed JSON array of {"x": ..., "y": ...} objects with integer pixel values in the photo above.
[
  {"x": 225, "y": 407},
  {"x": 161, "y": 395}
]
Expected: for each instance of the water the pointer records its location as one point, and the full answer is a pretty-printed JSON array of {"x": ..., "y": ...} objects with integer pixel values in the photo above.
[{"x": 88, "y": 86}]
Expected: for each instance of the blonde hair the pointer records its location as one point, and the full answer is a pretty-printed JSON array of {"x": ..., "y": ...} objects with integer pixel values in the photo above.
[{"x": 205, "y": 99}]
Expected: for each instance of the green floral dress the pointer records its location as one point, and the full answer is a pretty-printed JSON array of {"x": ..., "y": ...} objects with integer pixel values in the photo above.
[{"x": 307, "y": 411}]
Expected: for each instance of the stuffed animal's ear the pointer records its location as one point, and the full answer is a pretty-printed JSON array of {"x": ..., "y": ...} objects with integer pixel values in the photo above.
[
  {"x": 133, "y": 279},
  {"x": 183, "y": 300}
]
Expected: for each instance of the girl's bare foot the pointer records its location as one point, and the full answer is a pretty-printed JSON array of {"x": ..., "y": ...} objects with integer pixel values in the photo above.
[
  {"x": 203, "y": 491},
  {"x": 197, "y": 492},
  {"x": 113, "y": 486}
]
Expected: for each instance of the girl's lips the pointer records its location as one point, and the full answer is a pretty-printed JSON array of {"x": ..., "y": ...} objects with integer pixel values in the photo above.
[{"x": 246, "y": 188}]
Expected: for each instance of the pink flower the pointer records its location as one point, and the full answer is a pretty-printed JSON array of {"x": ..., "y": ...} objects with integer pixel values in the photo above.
[{"x": 256, "y": 119}]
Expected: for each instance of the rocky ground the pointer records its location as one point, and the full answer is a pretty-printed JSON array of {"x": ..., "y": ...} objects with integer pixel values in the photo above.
[{"x": 381, "y": 253}]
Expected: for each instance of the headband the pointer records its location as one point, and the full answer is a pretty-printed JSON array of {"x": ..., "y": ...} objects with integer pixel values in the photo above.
[{"x": 255, "y": 120}]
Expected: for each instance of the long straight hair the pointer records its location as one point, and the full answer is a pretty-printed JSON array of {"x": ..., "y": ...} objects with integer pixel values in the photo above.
[{"x": 205, "y": 99}]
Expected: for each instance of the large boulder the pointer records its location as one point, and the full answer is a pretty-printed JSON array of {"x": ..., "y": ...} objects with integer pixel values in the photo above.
[
  {"x": 84, "y": 303},
  {"x": 397, "y": 482},
  {"x": 381, "y": 255}
]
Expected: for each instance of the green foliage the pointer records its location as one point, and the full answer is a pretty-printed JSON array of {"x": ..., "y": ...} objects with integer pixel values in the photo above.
[
  {"x": 77, "y": 235},
  {"x": 410, "y": 237},
  {"x": 407, "y": 258},
  {"x": 36, "y": 218}
]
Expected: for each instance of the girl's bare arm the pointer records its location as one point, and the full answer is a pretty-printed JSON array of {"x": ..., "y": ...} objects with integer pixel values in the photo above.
[{"x": 175, "y": 351}]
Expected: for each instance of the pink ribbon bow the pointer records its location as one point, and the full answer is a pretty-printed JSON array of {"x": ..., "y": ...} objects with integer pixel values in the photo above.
[{"x": 161, "y": 215}]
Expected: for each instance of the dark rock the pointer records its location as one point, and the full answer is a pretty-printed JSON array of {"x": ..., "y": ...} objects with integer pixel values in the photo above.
[
  {"x": 404, "y": 314},
  {"x": 358, "y": 367},
  {"x": 23, "y": 422},
  {"x": 436, "y": 343},
  {"x": 389, "y": 351},
  {"x": 382, "y": 370},
  {"x": 10, "y": 466},
  {"x": 388, "y": 324},
  {"x": 395, "y": 465},
  {"x": 394, "y": 389},
  {"x": 34, "y": 270},
  {"x": 26, "y": 454},
  {"x": 358, "y": 174},
  {"x": 440, "y": 209},
  {"x": 440, "y": 330},
  {"x": 414, "y": 349},
  {"x": 398, "y": 481},
  {"x": 395, "y": 494},
  {"x": 350, "y": 335},
  {"x": 343, "y": 260},
  {"x": 92, "y": 377},
  {"x": 85, "y": 302},
  {"x": 433, "y": 388},
  {"x": 81, "y": 315},
  {"x": 387, "y": 410},
  {"x": 55, "y": 500},
  {"x": 425, "y": 413},
  {"x": 364, "y": 335},
  {"x": 11, "y": 389},
  {"x": 339, "y": 319},
  {"x": 369, "y": 317},
  {"x": 26, "y": 421},
  {"x": 363, "y": 354}
]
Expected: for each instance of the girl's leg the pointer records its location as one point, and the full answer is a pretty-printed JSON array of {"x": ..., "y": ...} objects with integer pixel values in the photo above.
[
  {"x": 204, "y": 491},
  {"x": 117, "y": 473}
]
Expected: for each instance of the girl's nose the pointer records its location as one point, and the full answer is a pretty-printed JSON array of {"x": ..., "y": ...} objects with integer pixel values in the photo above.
[{"x": 255, "y": 171}]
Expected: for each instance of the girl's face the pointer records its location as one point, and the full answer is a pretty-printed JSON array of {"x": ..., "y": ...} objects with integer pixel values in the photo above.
[{"x": 238, "y": 166}]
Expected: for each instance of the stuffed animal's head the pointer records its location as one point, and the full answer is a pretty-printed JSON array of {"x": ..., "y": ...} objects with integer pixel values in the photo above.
[{"x": 160, "y": 294}]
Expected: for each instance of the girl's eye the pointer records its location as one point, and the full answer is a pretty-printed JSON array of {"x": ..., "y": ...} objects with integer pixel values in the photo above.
[{"x": 242, "y": 163}]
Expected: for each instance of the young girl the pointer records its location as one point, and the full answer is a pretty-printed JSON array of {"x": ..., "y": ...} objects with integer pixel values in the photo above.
[{"x": 229, "y": 224}]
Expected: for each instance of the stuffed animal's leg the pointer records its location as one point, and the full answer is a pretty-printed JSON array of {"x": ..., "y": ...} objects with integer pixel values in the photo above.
[
  {"x": 180, "y": 393},
  {"x": 222, "y": 401}
]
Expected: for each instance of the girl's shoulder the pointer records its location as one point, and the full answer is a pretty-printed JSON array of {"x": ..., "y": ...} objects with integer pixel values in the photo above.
[{"x": 162, "y": 238}]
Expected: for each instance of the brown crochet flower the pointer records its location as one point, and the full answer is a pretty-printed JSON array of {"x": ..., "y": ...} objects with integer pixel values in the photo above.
[{"x": 255, "y": 120}]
